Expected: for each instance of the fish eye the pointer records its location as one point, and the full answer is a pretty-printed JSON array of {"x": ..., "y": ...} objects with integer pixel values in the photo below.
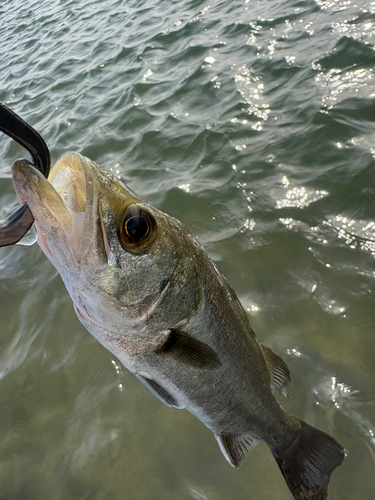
[{"x": 138, "y": 229}]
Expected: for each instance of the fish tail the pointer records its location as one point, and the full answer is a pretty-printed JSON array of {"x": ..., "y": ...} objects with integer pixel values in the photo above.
[{"x": 308, "y": 462}]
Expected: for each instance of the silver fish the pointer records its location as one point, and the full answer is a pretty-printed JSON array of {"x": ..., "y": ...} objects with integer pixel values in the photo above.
[{"x": 145, "y": 288}]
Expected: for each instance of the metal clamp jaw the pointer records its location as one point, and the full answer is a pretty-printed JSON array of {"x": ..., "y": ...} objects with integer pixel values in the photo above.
[{"x": 14, "y": 227}]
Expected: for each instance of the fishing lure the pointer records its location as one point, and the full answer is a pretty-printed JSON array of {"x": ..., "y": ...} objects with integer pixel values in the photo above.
[{"x": 16, "y": 225}]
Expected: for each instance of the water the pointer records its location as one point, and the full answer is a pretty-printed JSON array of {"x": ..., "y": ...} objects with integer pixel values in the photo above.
[{"x": 253, "y": 123}]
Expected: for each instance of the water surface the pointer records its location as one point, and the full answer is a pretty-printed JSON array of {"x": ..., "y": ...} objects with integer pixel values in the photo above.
[{"x": 253, "y": 123}]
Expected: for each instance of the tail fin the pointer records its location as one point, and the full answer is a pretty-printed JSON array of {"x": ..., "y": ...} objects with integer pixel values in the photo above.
[{"x": 308, "y": 463}]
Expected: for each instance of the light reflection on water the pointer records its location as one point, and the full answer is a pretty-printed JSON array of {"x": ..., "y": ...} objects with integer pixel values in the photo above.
[{"x": 345, "y": 398}]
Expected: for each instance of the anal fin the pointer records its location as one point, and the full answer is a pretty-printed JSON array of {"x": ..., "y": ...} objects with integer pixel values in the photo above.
[
  {"x": 235, "y": 446},
  {"x": 159, "y": 391},
  {"x": 280, "y": 375}
]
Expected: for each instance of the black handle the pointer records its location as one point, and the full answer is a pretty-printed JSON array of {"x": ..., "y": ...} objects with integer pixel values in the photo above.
[{"x": 14, "y": 227}]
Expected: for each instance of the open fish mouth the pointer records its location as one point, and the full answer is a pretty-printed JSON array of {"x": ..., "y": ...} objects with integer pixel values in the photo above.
[
  {"x": 57, "y": 198},
  {"x": 59, "y": 204}
]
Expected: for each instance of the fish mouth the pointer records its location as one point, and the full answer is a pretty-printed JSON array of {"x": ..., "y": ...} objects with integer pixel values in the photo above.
[{"x": 61, "y": 204}]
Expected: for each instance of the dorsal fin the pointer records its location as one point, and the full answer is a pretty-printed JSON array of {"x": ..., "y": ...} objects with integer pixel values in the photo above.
[
  {"x": 280, "y": 376},
  {"x": 235, "y": 446}
]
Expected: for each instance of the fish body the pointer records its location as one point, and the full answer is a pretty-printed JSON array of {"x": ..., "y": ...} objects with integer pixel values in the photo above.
[{"x": 145, "y": 288}]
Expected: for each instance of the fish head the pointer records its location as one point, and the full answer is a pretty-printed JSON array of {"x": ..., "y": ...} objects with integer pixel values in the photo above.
[{"x": 125, "y": 264}]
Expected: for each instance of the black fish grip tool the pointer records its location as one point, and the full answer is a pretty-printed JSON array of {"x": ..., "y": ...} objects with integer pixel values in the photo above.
[{"x": 16, "y": 225}]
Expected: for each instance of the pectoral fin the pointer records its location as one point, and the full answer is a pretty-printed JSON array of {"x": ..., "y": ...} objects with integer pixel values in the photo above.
[
  {"x": 235, "y": 446},
  {"x": 189, "y": 351},
  {"x": 280, "y": 376},
  {"x": 159, "y": 391}
]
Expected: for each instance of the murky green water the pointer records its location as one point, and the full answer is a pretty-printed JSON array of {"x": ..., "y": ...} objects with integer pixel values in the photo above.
[{"x": 254, "y": 123}]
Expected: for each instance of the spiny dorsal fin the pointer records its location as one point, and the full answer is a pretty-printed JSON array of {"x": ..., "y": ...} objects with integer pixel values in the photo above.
[
  {"x": 189, "y": 351},
  {"x": 159, "y": 391},
  {"x": 280, "y": 376},
  {"x": 235, "y": 446}
]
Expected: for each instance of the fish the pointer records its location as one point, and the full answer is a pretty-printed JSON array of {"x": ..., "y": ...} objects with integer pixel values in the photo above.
[{"x": 145, "y": 288}]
